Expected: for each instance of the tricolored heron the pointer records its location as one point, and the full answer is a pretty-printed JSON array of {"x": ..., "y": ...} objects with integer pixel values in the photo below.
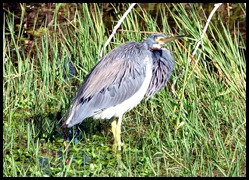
[{"x": 120, "y": 80}]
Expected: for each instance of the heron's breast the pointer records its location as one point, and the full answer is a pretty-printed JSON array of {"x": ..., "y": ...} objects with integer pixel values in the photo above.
[{"x": 128, "y": 104}]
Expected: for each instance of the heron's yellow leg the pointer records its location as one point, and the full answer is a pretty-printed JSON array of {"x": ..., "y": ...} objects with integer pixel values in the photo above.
[
  {"x": 114, "y": 127},
  {"x": 116, "y": 130},
  {"x": 118, "y": 133}
]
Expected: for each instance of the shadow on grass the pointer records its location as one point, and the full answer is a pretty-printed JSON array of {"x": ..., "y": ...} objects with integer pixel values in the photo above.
[{"x": 50, "y": 127}]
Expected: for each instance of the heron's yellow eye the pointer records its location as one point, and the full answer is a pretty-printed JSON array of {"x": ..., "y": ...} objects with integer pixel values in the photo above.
[{"x": 160, "y": 39}]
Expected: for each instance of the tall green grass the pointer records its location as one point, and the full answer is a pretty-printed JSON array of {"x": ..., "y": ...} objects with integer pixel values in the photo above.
[{"x": 201, "y": 132}]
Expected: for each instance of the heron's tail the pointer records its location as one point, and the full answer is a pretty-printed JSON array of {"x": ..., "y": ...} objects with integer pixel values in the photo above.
[{"x": 78, "y": 113}]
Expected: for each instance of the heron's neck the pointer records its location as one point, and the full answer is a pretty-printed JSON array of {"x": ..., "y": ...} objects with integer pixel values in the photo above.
[{"x": 147, "y": 44}]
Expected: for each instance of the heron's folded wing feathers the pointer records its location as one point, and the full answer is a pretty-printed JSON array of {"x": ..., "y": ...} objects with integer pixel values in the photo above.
[
  {"x": 113, "y": 85},
  {"x": 109, "y": 83}
]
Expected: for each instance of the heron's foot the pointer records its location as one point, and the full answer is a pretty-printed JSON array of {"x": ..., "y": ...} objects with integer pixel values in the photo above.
[{"x": 117, "y": 146}]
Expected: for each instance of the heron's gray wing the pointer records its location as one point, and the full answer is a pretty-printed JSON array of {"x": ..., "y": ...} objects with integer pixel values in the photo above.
[
  {"x": 116, "y": 77},
  {"x": 163, "y": 65}
]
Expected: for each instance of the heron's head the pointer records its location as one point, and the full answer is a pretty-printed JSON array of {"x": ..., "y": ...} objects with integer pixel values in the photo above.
[{"x": 156, "y": 41}]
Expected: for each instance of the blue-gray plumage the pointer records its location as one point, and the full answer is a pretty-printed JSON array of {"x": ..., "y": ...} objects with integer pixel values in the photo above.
[
  {"x": 120, "y": 80},
  {"x": 114, "y": 79},
  {"x": 163, "y": 65}
]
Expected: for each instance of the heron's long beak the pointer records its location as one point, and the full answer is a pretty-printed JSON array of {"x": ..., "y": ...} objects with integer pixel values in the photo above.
[
  {"x": 169, "y": 39},
  {"x": 163, "y": 40}
]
